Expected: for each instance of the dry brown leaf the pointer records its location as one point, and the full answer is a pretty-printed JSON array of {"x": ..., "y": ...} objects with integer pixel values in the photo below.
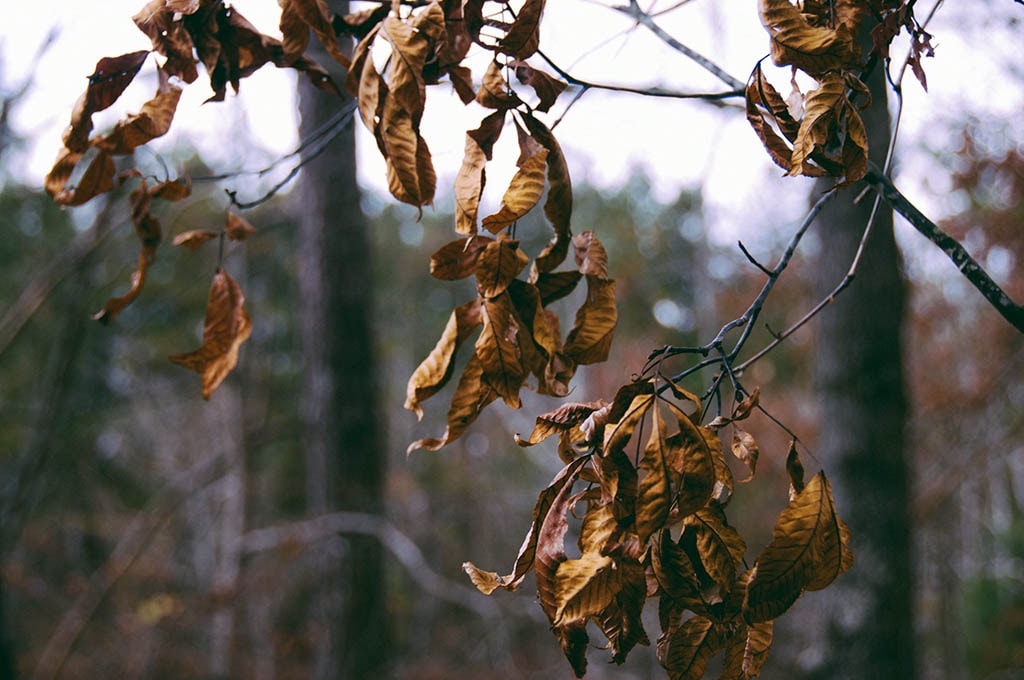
[
  {"x": 470, "y": 398},
  {"x": 590, "y": 339},
  {"x": 457, "y": 259},
  {"x": 523, "y": 36},
  {"x": 153, "y": 120},
  {"x": 815, "y": 50},
  {"x": 558, "y": 206},
  {"x": 524, "y": 190},
  {"x": 719, "y": 545},
  {"x": 745, "y": 449},
  {"x": 226, "y": 327},
  {"x": 498, "y": 265},
  {"x": 435, "y": 371},
  {"x": 809, "y": 548},
  {"x": 194, "y": 238},
  {"x": 545, "y": 85},
  {"x": 500, "y": 349},
  {"x": 237, "y": 228}
]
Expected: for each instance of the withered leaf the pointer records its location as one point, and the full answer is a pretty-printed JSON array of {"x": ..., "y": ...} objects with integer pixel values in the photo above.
[
  {"x": 488, "y": 582},
  {"x": 720, "y": 546},
  {"x": 558, "y": 206},
  {"x": 747, "y": 651},
  {"x": 747, "y": 406},
  {"x": 494, "y": 90},
  {"x": 471, "y": 396},
  {"x": 470, "y": 182},
  {"x": 590, "y": 339},
  {"x": 116, "y": 305},
  {"x": 298, "y": 17},
  {"x": 556, "y": 285},
  {"x": 565, "y": 417},
  {"x": 153, "y": 120},
  {"x": 524, "y": 190},
  {"x": 194, "y": 238},
  {"x": 546, "y": 86},
  {"x": 688, "y": 650},
  {"x": 809, "y": 549},
  {"x": 111, "y": 77},
  {"x": 813, "y": 49},
  {"x": 170, "y": 37},
  {"x": 500, "y": 262},
  {"x": 237, "y": 228},
  {"x": 523, "y": 36},
  {"x": 591, "y": 258},
  {"x": 795, "y": 470},
  {"x": 654, "y": 495},
  {"x": 500, "y": 348},
  {"x": 227, "y": 326},
  {"x": 97, "y": 179},
  {"x": 435, "y": 371},
  {"x": 457, "y": 259},
  {"x": 745, "y": 449},
  {"x": 584, "y": 587}
]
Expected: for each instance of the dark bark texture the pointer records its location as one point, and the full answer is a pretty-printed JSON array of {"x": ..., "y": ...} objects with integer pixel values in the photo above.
[{"x": 345, "y": 460}]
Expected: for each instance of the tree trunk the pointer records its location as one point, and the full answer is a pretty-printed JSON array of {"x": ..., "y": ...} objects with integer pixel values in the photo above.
[
  {"x": 344, "y": 456},
  {"x": 869, "y": 621}
]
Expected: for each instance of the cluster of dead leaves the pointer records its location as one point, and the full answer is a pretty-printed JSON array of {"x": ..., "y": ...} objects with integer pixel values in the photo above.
[
  {"x": 821, "y": 133},
  {"x": 186, "y": 33},
  {"x": 652, "y": 484}
]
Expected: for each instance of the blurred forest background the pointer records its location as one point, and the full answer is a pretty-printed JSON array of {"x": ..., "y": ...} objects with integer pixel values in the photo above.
[{"x": 149, "y": 534}]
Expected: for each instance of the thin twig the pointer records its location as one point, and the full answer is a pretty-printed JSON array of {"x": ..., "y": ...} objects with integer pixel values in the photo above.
[
  {"x": 633, "y": 10},
  {"x": 397, "y": 543}
]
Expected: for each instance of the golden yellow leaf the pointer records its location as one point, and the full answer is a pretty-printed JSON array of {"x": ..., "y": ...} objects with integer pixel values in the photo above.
[
  {"x": 435, "y": 371},
  {"x": 812, "y": 49},
  {"x": 471, "y": 396},
  {"x": 809, "y": 548},
  {"x": 719, "y": 545},
  {"x": 591, "y": 257},
  {"x": 524, "y": 190},
  {"x": 590, "y": 339},
  {"x": 226, "y": 327},
  {"x": 747, "y": 651},
  {"x": 654, "y": 495},
  {"x": 500, "y": 349}
]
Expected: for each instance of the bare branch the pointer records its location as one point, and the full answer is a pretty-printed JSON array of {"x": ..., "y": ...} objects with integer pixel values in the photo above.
[
  {"x": 633, "y": 10},
  {"x": 968, "y": 266},
  {"x": 397, "y": 543}
]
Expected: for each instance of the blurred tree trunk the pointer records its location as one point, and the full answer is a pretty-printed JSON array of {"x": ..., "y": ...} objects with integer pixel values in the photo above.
[
  {"x": 344, "y": 454},
  {"x": 869, "y": 630}
]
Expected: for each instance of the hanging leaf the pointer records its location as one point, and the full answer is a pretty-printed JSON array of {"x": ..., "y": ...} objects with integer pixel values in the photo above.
[
  {"x": 298, "y": 17},
  {"x": 690, "y": 648},
  {"x": 654, "y": 495},
  {"x": 591, "y": 258},
  {"x": 809, "y": 548},
  {"x": 436, "y": 370},
  {"x": 558, "y": 206},
  {"x": 471, "y": 396},
  {"x": 590, "y": 339},
  {"x": 499, "y": 264},
  {"x": 523, "y": 36},
  {"x": 195, "y": 238},
  {"x": 153, "y": 120},
  {"x": 745, "y": 449},
  {"x": 720, "y": 546},
  {"x": 237, "y": 228},
  {"x": 795, "y": 470},
  {"x": 495, "y": 92},
  {"x": 546, "y": 86},
  {"x": 227, "y": 326},
  {"x": 116, "y": 305},
  {"x": 814, "y": 50},
  {"x": 747, "y": 651},
  {"x": 524, "y": 190},
  {"x": 470, "y": 182},
  {"x": 170, "y": 37},
  {"x": 486, "y": 581},
  {"x": 457, "y": 259},
  {"x": 500, "y": 350},
  {"x": 565, "y": 417}
]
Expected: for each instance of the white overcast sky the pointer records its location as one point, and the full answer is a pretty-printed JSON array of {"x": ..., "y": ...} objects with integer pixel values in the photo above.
[{"x": 678, "y": 142}]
